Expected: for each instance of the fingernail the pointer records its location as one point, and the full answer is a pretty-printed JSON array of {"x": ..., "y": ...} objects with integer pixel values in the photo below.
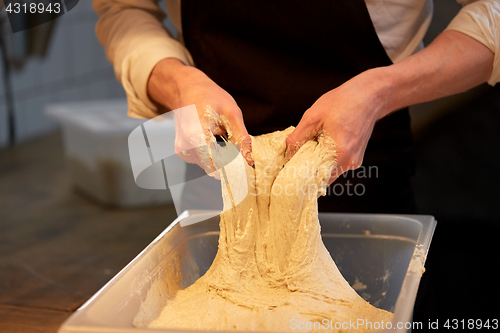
[{"x": 249, "y": 159}]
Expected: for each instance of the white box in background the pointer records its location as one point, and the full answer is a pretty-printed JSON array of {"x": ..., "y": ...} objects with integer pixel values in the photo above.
[{"x": 96, "y": 146}]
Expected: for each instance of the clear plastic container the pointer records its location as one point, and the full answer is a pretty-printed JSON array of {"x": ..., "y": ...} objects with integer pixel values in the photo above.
[
  {"x": 382, "y": 256},
  {"x": 96, "y": 146}
]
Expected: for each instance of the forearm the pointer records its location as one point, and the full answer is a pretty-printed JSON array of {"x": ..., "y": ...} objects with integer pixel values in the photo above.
[
  {"x": 451, "y": 64},
  {"x": 171, "y": 80},
  {"x": 135, "y": 40}
]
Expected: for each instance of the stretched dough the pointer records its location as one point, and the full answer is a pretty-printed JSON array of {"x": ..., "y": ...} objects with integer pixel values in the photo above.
[{"x": 272, "y": 268}]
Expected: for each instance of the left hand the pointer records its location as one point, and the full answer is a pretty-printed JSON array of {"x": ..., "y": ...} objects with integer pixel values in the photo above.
[
  {"x": 345, "y": 115},
  {"x": 452, "y": 63}
]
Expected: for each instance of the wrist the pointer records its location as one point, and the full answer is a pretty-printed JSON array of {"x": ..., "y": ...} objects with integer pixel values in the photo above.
[
  {"x": 165, "y": 81},
  {"x": 392, "y": 87},
  {"x": 379, "y": 85}
]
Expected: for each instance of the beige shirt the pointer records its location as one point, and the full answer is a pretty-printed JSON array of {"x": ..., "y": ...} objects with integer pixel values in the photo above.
[{"x": 135, "y": 39}]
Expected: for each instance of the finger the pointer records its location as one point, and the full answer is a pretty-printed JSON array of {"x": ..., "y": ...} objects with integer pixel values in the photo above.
[
  {"x": 334, "y": 175},
  {"x": 238, "y": 134},
  {"x": 184, "y": 151},
  {"x": 332, "y": 179},
  {"x": 305, "y": 131},
  {"x": 187, "y": 156},
  {"x": 191, "y": 156},
  {"x": 246, "y": 148},
  {"x": 349, "y": 160},
  {"x": 199, "y": 155},
  {"x": 343, "y": 166}
]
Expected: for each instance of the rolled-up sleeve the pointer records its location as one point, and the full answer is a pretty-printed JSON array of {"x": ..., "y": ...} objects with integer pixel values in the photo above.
[
  {"x": 135, "y": 40},
  {"x": 481, "y": 20}
]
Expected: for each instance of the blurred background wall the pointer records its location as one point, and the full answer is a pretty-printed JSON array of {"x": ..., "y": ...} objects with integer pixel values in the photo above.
[{"x": 74, "y": 68}]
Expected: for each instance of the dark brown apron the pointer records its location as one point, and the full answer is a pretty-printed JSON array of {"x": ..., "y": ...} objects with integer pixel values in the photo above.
[{"x": 276, "y": 58}]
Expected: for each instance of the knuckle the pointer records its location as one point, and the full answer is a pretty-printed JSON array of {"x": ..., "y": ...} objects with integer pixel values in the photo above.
[
  {"x": 178, "y": 146},
  {"x": 232, "y": 111}
]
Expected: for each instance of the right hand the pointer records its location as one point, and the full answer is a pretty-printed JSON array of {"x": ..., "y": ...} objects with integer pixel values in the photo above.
[{"x": 176, "y": 85}]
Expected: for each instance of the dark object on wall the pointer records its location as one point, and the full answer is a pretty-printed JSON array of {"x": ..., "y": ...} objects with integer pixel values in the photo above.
[
  {"x": 16, "y": 48},
  {"x": 70, "y": 4},
  {"x": 9, "y": 101}
]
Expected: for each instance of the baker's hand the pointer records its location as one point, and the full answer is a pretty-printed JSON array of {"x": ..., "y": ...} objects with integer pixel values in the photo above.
[
  {"x": 346, "y": 115},
  {"x": 176, "y": 85}
]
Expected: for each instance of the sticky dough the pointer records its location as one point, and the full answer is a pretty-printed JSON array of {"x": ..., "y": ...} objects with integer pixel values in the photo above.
[{"x": 271, "y": 268}]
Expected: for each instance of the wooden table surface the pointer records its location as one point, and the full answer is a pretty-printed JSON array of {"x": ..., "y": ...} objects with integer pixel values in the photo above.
[{"x": 57, "y": 248}]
